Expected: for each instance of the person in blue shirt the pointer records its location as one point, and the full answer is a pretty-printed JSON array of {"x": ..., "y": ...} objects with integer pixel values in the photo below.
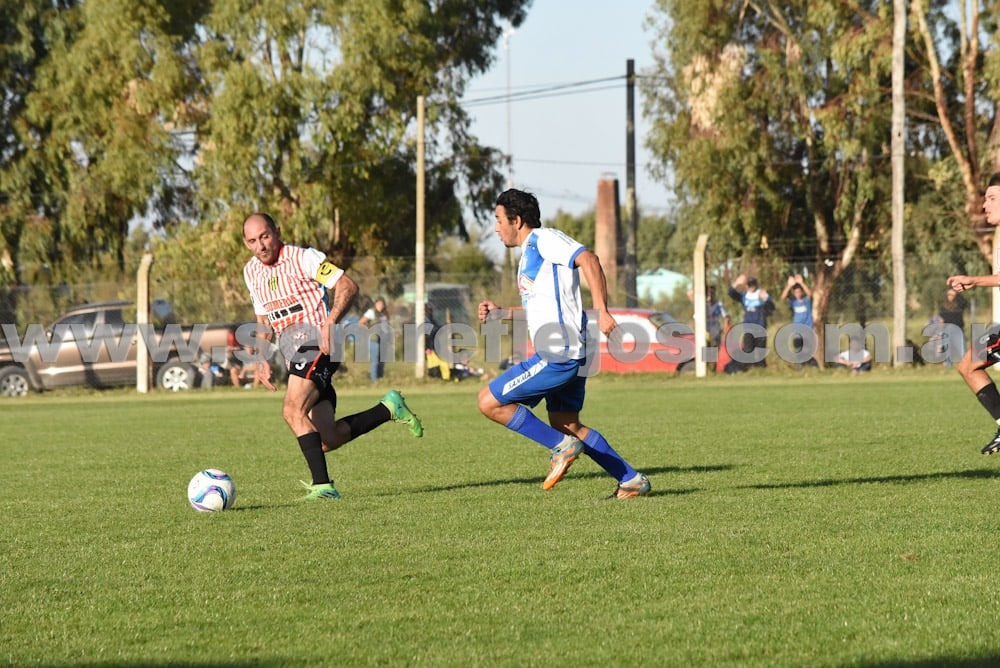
[
  {"x": 757, "y": 307},
  {"x": 799, "y": 298}
]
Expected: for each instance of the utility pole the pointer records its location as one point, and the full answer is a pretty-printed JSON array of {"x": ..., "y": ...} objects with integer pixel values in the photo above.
[
  {"x": 418, "y": 305},
  {"x": 898, "y": 151},
  {"x": 631, "y": 212},
  {"x": 508, "y": 32}
]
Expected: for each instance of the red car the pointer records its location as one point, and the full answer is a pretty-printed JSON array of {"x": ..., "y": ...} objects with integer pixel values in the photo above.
[{"x": 644, "y": 341}]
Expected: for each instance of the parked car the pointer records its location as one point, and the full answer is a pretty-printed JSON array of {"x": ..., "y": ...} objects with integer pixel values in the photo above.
[
  {"x": 645, "y": 341},
  {"x": 85, "y": 347}
]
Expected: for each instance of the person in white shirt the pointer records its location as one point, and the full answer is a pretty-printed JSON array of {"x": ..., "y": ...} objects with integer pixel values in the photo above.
[
  {"x": 857, "y": 358},
  {"x": 548, "y": 279},
  {"x": 986, "y": 352},
  {"x": 299, "y": 296}
]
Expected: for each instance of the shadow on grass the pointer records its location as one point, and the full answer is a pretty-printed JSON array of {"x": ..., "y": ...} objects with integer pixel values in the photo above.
[
  {"x": 982, "y": 474},
  {"x": 572, "y": 474},
  {"x": 265, "y": 663},
  {"x": 263, "y": 506},
  {"x": 951, "y": 661}
]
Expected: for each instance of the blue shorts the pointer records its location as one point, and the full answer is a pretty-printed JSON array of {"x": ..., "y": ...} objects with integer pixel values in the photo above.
[{"x": 561, "y": 384}]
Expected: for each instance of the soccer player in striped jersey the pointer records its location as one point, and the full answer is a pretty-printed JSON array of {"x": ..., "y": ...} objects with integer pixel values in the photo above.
[
  {"x": 299, "y": 296},
  {"x": 986, "y": 352},
  {"x": 548, "y": 279}
]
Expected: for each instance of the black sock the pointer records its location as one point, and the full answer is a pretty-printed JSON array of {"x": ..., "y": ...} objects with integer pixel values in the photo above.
[
  {"x": 990, "y": 399},
  {"x": 365, "y": 421},
  {"x": 312, "y": 450}
]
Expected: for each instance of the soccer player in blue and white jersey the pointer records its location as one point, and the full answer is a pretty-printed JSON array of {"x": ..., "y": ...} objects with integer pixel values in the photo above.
[{"x": 548, "y": 279}]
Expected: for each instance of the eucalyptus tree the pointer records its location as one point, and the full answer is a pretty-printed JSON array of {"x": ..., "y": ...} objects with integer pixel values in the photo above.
[
  {"x": 310, "y": 110},
  {"x": 89, "y": 150},
  {"x": 187, "y": 115},
  {"x": 773, "y": 119}
]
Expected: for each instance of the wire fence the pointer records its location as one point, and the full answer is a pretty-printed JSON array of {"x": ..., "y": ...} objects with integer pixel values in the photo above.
[{"x": 862, "y": 295}]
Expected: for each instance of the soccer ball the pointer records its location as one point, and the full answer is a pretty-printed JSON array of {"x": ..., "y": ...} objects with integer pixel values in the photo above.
[{"x": 211, "y": 490}]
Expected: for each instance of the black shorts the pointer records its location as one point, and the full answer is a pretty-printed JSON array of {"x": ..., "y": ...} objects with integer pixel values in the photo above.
[
  {"x": 309, "y": 363},
  {"x": 988, "y": 345}
]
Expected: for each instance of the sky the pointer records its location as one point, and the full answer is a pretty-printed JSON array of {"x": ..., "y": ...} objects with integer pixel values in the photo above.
[{"x": 566, "y": 140}]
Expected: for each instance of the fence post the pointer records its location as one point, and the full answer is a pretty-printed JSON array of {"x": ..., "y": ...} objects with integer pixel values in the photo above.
[
  {"x": 143, "y": 369},
  {"x": 699, "y": 305}
]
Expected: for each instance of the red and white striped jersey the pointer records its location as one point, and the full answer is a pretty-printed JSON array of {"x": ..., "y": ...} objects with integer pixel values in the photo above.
[{"x": 293, "y": 289}]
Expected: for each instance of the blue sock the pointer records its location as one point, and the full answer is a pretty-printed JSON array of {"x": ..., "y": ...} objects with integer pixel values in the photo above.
[
  {"x": 598, "y": 449},
  {"x": 527, "y": 424}
]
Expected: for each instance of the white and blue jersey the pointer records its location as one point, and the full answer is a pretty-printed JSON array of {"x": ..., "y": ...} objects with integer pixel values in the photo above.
[{"x": 549, "y": 285}]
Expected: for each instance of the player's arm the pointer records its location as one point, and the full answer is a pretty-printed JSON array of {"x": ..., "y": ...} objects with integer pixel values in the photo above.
[
  {"x": 961, "y": 283},
  {"x": 263, "y": 371},
  {"x": 342, "y": 295},
  {"x": 593, "y": 272},
  {"x": 788, "y": 287},
  {"x": 805, "y": 288}
]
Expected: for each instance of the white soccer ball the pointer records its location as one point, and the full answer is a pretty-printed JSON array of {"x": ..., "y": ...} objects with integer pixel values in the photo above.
[{"x": 211, "y": 490}]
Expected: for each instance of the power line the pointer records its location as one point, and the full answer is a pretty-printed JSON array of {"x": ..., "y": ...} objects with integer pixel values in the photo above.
[{"x": 549, "y": 90}]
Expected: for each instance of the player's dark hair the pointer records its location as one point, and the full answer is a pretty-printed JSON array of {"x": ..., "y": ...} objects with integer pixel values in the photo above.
[
  {"x": 994, "y": 180},
  {"x": 519, "y": 203}
]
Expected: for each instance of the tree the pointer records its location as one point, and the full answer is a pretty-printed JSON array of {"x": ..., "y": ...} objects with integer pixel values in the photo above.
[
  {"x": 187, "y": 113},
  {"x": 774, "y": 118},
  {"x": 312, "y": 105},
  {"x": 27, "y": 34},
  {"x": 958, "y": 102},
  {"x": 90, "y": 149}
]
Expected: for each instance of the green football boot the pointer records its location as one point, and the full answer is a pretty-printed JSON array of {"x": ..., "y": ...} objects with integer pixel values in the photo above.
[
  {"x": 400, "y": 412},
  {"x": 320, "y": 492}
]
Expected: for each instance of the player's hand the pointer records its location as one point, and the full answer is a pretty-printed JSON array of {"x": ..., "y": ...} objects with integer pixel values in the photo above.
[
  {"x": 960, "y": 283},
  {"x": 264, "y": 374},
  {"x": 484, "y": 309},
  {"x": 607, "y": 323}
]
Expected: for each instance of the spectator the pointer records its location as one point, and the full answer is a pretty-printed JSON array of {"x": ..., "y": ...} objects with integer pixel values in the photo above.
[
  {"x": 717, "y": 320},
  {"x": 857, "y": 358},
  {"x": 757, "y": 307},
  {"x": 799, "y": 298},
  {"x": 209, "y": 373},
  {"x": 233, "y": 365},
  {"x": 952, "y": 312},
  {"x": 376, "y": 318}
]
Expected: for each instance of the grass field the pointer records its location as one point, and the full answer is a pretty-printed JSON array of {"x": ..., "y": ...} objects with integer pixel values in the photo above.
[{"x": 825, "y": 520}]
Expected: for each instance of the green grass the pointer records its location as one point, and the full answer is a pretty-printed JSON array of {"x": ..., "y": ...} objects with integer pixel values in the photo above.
[{"x": 817, "y": 520}]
